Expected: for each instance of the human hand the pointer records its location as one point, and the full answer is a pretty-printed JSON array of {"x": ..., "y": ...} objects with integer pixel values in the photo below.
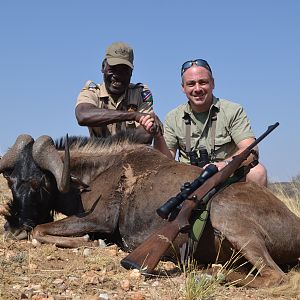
[{"x": 151, "y": 124}]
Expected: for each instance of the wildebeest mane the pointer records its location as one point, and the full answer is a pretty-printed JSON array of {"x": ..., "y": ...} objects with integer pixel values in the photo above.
[{"x": 128, "y": 137}]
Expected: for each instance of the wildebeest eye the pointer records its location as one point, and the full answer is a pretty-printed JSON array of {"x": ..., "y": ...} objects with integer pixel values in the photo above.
[{"x": 35, "y": 184}]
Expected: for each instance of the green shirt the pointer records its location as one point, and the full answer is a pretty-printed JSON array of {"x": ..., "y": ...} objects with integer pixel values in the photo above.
[{"x": 232, "y": 127}]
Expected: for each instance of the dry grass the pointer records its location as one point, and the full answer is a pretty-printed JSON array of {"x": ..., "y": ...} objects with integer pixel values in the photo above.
[
  {"x": 48, "y": 272},
  {"x": 289, "y": 194}
]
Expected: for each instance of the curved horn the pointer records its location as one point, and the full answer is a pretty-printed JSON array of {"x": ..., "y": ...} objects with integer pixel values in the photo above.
[
  {"x": 11, "y": 156},
  {"x": 47, "y": 157}
]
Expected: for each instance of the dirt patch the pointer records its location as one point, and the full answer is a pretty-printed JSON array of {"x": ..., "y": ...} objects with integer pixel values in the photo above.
[{"x": 48, "y": 272}]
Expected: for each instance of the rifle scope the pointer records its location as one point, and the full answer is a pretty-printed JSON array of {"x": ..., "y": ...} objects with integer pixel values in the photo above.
[{"x": 173, "y": 202}]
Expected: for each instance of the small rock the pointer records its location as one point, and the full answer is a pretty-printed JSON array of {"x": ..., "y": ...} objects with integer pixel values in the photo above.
[
  {"x": 103, "y": 296},
  {"x": 125, "y": 285},
  {"x": 16, "y": 286},
  {"x": 58, "y": 281},
  {"x": 137, "y": 296},
  {"x": 101, "y": 243},
  {"x": 135, "y": 274},
  {"x": 73, "y": 278},
  {"x": 155, "y": 283},
  {"x": 87, "y": 252},
  {"x": 35, "y": 243},
  {"x": 34, "y": 287}
]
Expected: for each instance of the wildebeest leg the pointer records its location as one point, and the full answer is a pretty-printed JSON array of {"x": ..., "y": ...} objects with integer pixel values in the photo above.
[
  {"x": 256, "y": 253},
  {"x": 65, "y": 242},
  {"x": 70, "y": 232}
]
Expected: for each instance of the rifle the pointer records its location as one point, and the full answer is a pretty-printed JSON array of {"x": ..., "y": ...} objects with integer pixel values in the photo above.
[{"x": 146, "y": 256}]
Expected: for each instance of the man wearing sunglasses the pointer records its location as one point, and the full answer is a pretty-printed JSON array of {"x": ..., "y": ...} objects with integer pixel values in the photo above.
[
  {"x": 205, "y": 129},
  {"x": 116, "y": 104}
]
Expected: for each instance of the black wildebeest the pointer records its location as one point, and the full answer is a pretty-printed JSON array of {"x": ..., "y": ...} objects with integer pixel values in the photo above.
[{"x": 116, "y": 188}]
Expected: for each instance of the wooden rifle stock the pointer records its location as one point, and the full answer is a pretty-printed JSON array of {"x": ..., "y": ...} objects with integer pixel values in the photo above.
[{"x": 146, "y": 256}]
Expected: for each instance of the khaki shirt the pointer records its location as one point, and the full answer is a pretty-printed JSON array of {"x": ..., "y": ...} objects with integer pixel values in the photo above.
[
  {"x": 232, "y": 127},
  {"x": 138, "y": 97}
]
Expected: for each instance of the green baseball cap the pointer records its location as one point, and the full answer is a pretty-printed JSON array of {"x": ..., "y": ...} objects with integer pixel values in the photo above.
[{"x": 119, "y": 54}]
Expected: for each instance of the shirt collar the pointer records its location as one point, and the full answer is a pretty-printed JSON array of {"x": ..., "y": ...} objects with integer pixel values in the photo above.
[{"x": 104, "y": 93}]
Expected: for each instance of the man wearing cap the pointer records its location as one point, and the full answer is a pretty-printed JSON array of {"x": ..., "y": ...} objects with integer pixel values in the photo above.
[
  {"x": 205, "y": 129},
  {"x": 116, "y": 104}
]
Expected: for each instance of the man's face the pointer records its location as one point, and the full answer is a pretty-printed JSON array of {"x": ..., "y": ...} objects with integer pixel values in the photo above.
[
  {"x": 116, "y": 78},
  {"x": 198, "y": 85}
]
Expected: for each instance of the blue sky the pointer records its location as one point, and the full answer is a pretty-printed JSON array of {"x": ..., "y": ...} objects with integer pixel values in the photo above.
[{"x": 49, "y": 49}]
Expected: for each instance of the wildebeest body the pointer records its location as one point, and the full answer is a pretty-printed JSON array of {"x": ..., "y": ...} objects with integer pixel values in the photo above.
[{"x": 127, "y": 183}]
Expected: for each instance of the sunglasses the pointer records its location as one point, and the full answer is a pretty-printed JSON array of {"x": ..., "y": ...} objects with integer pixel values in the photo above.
[{"x": 198, "y": 62}]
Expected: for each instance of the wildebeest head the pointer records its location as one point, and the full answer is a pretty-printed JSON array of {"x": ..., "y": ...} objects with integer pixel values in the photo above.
[{"x": 35, "y": 174}]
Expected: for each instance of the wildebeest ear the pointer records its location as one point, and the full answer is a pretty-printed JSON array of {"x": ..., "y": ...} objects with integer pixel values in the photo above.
[{"x": 11, "y": 156}]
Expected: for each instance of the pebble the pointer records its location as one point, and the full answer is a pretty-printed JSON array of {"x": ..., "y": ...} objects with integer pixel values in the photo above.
[
  {"x": 87, "y": 252},
  {"x": 35, "y": 243},
  {"x": 125, "y": 284},
  {"x": 155, "y": 283},
  {"x": 101, "y": 243},
  {"x": 135, "y": 274},
  {"x": 58, "y": 281},
  {"x": 103, "y": 296}
]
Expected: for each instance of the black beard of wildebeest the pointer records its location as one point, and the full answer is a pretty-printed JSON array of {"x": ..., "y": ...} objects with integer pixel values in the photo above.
[{"x": 116, "y": 186}]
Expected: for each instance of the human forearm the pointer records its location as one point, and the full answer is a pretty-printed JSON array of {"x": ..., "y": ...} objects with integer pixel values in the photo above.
[
  {"x": 89, "y": 115},
  {"x": 159, "y": 144},
  {"x": 241, "y": 147}
]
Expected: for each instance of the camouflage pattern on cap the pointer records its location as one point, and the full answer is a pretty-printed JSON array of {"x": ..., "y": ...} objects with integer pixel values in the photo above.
[{"x": 119, "y": 54}]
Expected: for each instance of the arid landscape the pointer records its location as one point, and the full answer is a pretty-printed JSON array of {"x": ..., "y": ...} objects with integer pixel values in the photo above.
[{"x": 48, "y": 272}]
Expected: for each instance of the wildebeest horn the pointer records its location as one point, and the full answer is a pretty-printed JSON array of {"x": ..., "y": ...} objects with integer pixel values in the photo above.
[
  {"x": 11, "y": 156},
  {"x": 47, "y": 157}
]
